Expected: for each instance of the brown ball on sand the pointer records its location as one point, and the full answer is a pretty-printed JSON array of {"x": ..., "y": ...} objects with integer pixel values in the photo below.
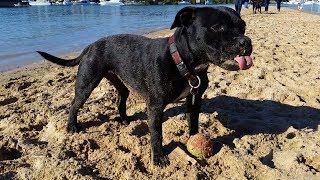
[{"x": 200, "y": 146}]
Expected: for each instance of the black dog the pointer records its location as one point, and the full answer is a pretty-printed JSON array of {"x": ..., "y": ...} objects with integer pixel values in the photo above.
[
  {"x": 163, "y": 70},
  {"x": 256, "y": 5}
]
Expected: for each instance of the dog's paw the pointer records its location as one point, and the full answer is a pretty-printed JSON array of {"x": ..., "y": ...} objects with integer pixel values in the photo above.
[
  {"x": 125, "y": 121},
  {"x": 72, "y": 128},
  {"x": 161, "y": 161}
]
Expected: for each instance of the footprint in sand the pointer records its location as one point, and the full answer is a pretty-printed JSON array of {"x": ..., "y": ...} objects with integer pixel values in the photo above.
[
  {"x": 24, "y": 85},
  {"x": 9, "y": 84},
  {"x": 9, "y": 153},
  {"x": 8, "y": 100},
  {"x": 140, "y": 130}
]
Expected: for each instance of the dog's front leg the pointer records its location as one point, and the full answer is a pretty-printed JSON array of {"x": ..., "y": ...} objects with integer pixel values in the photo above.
[
  {"x": 155, "y": 113},
  {"x": 193, "y": 107}
]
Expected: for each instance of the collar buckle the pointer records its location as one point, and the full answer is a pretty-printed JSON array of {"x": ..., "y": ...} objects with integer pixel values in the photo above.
[{"x": 177, "y": 58}]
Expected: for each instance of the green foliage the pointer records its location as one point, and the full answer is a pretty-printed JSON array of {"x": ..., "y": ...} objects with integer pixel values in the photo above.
[
  {"x": 201, "y": 1},
  {"x": 222, "y": 1},
  {"x": 167, "y": 2},
  {"x": 170, "y": 2},
  {"x": 145, "y": 2}
]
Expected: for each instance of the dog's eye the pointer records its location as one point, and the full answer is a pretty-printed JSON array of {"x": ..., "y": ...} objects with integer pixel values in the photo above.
[{"x": 217, "y": 28}]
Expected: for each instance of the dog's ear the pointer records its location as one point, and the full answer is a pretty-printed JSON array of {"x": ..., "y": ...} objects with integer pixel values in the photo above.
[{"x": 184, "y": 17}]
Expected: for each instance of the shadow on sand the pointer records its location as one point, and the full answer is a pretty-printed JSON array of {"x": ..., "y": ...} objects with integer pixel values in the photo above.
[
  {"x": 248, "y": 117},
  {"x": 255, "y": 116}
]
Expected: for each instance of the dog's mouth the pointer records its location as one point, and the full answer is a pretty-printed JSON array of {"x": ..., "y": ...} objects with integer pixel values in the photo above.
[{"x": 244, "y": 62}]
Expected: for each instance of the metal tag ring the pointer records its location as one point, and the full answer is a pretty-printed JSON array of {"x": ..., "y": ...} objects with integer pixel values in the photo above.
[
  {"x": 197, "y": 86},
  {"x": 194, "y": 91}
]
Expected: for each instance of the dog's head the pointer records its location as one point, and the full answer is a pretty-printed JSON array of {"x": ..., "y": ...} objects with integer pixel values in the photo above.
[{"x": 215, "y": 35}]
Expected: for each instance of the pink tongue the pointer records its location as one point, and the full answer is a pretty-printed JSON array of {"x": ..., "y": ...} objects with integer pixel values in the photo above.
[{"x": 245, "y": 62}]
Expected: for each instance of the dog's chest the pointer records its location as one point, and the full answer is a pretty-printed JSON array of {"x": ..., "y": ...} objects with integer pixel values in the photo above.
[{"x": 184, "y": 92}]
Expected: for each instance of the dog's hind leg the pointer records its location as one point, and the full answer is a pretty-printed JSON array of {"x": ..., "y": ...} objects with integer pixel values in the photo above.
[
  {"x": 123, "y": 94},
  {"x": 87, "y": 80}
]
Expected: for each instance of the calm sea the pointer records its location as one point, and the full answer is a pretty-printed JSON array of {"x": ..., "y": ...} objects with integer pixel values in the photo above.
[{"x": 64, "y": 29}]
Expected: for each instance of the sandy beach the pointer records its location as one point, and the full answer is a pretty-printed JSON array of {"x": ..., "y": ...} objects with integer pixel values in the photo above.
[{"x": 264, "y": 122}]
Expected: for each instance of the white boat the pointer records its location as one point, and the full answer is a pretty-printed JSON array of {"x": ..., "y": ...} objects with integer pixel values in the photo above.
[
  {"x": 292, "y": 2},
  {"x": 82, "y": 2},
  {"x": 207, "y": 2},
  {"x": 67, "y": 2},
  {"x": 184, "y": 2},
  {"x": 23, "y": 3},
  {"x": 111, "y": 3},
  {"x": 298, "y": 2},
  {"x": 308, "y": 2},
  {"x": 39, "y": 3}
]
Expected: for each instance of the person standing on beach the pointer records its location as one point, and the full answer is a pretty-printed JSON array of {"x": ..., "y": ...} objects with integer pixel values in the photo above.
[
  {"x": 300, "y": 4},
  {"x": 278, "y": 4},
  {"x": 266, "y": 5},
  {"x": 238, "y": 4},
  {"x": 246, "y": 3}
]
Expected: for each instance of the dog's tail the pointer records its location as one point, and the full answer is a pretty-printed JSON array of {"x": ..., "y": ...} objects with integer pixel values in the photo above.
[{"x": 63, "y": 62}]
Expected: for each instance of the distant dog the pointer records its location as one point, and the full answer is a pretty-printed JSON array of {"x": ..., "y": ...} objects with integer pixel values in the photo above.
[
  {"x": 256, "y": 5},
  {"x": 162, "y": 70}
]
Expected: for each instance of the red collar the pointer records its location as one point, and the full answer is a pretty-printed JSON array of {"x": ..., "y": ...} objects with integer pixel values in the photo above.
[
  {"x": 177, "y": 58},
  {"x": 194, "y": 80}
]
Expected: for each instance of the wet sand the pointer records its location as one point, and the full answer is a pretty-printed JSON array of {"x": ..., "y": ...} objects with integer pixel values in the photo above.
[{"x": 264, "y": 122}]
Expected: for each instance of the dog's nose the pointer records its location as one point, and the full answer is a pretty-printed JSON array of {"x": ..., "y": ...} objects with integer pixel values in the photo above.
[{"x": 242, "y": 42}]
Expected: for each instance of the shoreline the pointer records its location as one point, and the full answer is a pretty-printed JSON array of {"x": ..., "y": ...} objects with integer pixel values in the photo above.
[{"x": 264, "y": 122}]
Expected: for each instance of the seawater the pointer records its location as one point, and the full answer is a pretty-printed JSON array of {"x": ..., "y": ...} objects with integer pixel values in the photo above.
[{"x": 64, "y": 29}]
